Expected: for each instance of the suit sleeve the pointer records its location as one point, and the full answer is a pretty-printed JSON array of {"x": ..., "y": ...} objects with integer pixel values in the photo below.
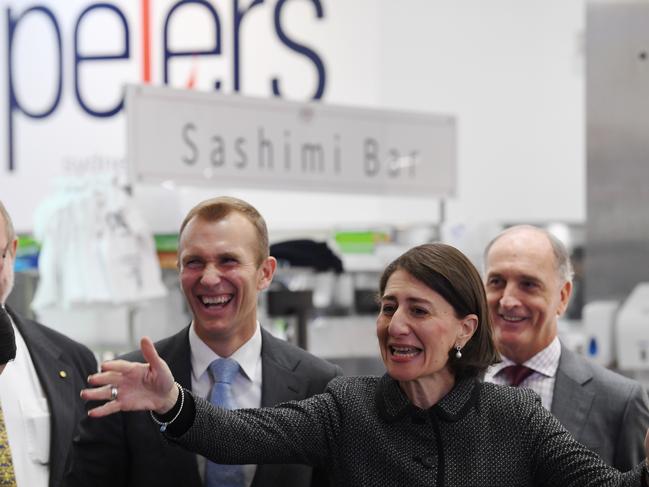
[
  {"x": 629, "y": 447},
  {"x": 558, "y": 459}
]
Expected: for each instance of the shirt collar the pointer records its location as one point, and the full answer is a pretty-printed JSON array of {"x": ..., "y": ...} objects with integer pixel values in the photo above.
[
  {"x": 247, "y": 355},
  {"x": 393, "y": 404},
  {"x": 546, "y": 362}
]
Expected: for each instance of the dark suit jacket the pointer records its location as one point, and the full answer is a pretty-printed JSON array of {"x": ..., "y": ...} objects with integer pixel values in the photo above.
[
  {"x": 127, "y": 449},
  {"x": 367, "y": 433},
  {"x": 603, "y": 410},
  {"x": 62, "y": 366}
]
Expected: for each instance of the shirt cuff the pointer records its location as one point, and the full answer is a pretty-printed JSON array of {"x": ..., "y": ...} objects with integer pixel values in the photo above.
[{"x": 184, "y": 419}]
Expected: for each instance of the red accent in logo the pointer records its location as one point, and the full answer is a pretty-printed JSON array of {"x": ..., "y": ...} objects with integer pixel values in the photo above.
[{"x": 146, "y": 42}]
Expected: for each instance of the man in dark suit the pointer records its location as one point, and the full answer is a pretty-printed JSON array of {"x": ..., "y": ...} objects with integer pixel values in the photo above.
[
  {"x": 7, "y": 339},
  {"x": 224, "y": 262},
  {"x": 528, "y": 279},
  {"x": 39, "y": 390}
]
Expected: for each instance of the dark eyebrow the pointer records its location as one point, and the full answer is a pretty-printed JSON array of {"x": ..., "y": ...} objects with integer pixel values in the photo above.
[
  {"x": 187, "y": 257},
  {"x": 493, "y": 274},
  {"x": 527, "y": 277},
  {"x": 229, "y": 255},
  {"x": 410, "y": 300}
]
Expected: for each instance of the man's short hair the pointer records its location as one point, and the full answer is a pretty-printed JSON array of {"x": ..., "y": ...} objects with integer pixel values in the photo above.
[
  {"x": 562, "y": 262},
  {"x": 9, "y": 226},
  {"x": 215, "y": 209}
]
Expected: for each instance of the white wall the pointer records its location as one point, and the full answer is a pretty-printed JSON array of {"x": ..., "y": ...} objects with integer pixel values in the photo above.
[{"x": 513, "y": 73}]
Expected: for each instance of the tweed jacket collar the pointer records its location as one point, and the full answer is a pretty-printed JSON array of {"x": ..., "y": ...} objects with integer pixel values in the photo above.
[{"x": 393, "y": 404}]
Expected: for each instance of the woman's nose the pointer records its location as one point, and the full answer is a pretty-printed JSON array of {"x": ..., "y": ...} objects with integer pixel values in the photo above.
[{"x": 398, "y": 324}]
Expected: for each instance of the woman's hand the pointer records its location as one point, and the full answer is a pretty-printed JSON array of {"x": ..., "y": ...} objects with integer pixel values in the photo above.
[{"x": 132, "y": 386}]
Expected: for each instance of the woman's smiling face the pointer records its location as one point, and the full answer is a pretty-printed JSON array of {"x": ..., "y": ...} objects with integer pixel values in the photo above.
[{"x": 416, "y": 329}]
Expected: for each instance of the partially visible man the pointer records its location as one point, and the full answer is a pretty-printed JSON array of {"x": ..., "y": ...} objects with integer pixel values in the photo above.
[
  {"x": 39, "y": 390},
  {"x": 528, "y": 279},
  {"x": 224, "y": 262},
  {"x": 7, "y": 340}
]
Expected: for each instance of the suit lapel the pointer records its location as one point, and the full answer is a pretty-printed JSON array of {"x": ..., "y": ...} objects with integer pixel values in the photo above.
[
  {"x": 279, "y": 382},
  {"x": 572, "y": 400},
  {"x": 178, "y": 357},
  {"x": 56, "y": 378}
]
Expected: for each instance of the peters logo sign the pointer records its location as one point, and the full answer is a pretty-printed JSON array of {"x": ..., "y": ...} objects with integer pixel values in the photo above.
[{"x": 67, "y": 63}]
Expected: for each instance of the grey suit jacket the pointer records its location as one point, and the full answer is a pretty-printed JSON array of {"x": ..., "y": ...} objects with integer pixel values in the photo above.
[
  {"x": 603, "y": 410},
  {"x": 127, "y": 449},
  {"x": 62, "y": 366}
]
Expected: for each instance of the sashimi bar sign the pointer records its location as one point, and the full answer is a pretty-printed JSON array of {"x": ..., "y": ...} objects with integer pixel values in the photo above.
[
  {"x": 305, "y": 157},
  {"x": 208, "y": 138}
]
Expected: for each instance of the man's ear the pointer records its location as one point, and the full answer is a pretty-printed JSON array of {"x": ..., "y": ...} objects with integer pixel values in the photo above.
[
  {"x": 564, "y": 297},
  {"x": 266, "y": 272}
]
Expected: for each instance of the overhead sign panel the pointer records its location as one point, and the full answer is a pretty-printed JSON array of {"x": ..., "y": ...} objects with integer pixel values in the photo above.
[{"x": 229, "y": 140}]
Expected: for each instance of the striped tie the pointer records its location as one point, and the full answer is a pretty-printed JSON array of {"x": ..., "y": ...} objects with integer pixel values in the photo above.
[
  {"x": 516, "y": 374},
  {"x": 7, "y": 475}
]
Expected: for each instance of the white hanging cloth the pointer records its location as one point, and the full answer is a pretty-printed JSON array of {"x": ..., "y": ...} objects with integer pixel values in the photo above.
[{"x": 95, "y": 248}]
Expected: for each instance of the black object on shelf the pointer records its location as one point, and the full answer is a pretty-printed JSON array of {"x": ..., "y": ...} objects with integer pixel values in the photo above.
[
  {"x": 282, "y": 302},
  {"x": 307, "y": 253},
  {"x": 366, "y": 302}
]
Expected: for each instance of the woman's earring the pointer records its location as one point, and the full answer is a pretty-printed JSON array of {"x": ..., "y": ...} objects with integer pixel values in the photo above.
[{"x": 458, "y": 353}]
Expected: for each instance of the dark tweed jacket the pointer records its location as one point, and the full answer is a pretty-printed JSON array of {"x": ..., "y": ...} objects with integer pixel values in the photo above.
[{"x": 367, "y": 433}]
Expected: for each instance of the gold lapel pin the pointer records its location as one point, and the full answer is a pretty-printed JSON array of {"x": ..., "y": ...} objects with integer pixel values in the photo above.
[{"x": 63, "y": 374}]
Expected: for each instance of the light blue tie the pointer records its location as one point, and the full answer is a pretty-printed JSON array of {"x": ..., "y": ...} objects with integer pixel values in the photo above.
[{"x": 223, "y": 372}]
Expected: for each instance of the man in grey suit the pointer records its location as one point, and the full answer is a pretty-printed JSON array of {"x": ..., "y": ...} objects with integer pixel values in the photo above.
[
  {"x": 528, "y": 280},
  {"x": 224, "y": 262},
  {"x": 39, "y": 390}
]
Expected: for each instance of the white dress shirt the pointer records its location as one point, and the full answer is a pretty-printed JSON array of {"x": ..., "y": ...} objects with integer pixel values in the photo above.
[
  {"x": 246, "y": 388},
  {"x": 544, "y": 364},
  {"x": 27, "y": 418}
]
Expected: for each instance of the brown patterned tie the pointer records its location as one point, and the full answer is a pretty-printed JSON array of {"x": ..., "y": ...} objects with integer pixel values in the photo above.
[
  {"x": 516, "y": 374},
  {"x": 7, "y": 475}
]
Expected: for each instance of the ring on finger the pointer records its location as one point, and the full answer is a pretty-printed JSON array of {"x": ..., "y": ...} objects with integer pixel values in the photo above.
[{"x": 113, "y": 393}]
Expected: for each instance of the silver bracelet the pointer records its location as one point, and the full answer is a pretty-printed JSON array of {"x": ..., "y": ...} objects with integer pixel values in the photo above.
[{"x": 163, "y": 425}]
